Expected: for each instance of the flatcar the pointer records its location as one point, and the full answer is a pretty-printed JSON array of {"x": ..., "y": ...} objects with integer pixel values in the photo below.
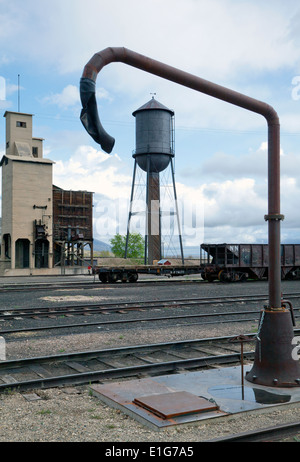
[
  {"x": 114, "y": 274},
  {"x": 239, "y": 262}
]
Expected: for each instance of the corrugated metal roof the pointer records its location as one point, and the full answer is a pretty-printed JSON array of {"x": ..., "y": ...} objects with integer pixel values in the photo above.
[{"x": 153, "y": 104}]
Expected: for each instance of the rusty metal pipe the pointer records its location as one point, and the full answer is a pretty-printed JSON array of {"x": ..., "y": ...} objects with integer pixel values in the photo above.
[{"x": 120, "y": 54}]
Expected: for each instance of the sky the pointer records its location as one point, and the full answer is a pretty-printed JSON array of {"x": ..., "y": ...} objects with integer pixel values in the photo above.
[{"x": 251, "y": 46}]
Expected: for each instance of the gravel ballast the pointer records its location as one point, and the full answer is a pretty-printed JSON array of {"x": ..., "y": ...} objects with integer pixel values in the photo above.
[{"x": 73, "y": 414}]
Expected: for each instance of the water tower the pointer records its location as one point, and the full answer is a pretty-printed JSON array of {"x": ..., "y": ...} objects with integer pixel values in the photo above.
[{"x": 154, "y": 153}]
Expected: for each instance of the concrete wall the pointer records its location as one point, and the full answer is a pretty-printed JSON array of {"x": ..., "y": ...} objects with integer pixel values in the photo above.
[
  {"x": 7, "y": 197},
  {"x": 14, "y": 133},
  {"x": 38, "y": 144},
  {"x": 32, "y": 200}
]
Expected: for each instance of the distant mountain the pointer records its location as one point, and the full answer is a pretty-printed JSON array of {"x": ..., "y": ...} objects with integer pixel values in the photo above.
[{"x": 99, "y": 246}]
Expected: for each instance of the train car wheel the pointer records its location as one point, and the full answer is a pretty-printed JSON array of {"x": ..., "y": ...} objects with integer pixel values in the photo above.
[
  {"x": 133, "y": 277},
  {"x": 221, "y": 276},
  {"x": 112, "y": 278},
  {"x": 224, "y": 276},
  {"x": 210, "y": 278},
  {"x": 103, "y": 278}
]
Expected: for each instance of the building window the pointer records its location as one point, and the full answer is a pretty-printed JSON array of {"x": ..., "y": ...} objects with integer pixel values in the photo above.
[
  {"x": 7, "y": 144},
  {"x": 21, "y": 124},
  {"x": 35, "y": 151}
]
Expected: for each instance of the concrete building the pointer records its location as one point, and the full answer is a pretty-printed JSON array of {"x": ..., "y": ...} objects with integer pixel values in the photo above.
[
  {"x": 27, "y": 212},
  {"x": 44, "y": 228}
]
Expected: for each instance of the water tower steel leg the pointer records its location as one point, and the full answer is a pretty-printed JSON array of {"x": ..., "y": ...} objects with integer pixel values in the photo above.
[
  {"x": 177, "y": 212},
  {"x": 130, "y": 208},
  {"x": 147, "y": 212}
]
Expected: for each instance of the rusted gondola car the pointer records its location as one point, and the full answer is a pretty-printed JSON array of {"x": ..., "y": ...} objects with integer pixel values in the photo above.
[{"x": 238, "y": 262}]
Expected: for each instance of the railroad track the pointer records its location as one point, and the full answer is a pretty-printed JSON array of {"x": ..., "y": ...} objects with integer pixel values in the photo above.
[
  {"x": 45, "y": 286},
  {"x": 105, "y": 308},
  {"x": 192, "y": 320},
  {"x": 274, "y": 433},
  {"x": 90, "y": 285},
  {"x": 96, "y": 284},
  {"x": 183, "y": 319},
  {"x": 217, "y": 318},
  {"x": 99, "y": 365}
]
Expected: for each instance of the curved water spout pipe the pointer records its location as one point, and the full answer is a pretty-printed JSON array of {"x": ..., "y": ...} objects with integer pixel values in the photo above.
[{"x": 90, "y": 119}]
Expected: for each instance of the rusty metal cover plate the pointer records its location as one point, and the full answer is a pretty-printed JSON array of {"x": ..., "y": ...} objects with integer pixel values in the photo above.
[{"x": 168, "y": 405}]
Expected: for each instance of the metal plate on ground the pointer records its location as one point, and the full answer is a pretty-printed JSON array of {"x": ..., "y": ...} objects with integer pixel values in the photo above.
[
  {"x": 221, "y": 387},
  {"x": 168, "y": 405},
  {"x": 122, "y": 395}
]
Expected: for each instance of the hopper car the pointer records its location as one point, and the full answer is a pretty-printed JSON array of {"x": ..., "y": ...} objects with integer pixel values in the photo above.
[{"x": 239, "y": 262}]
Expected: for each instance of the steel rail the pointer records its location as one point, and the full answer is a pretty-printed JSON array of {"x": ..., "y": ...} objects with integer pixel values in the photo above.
[
  {"x": 7, "y": 313},
  {"x": 274, "y": 433},
  {"x": 155, "y": 303},
  {"x": 145, "y": 320},
  {"x": 96, "y": 376},
  {"x": 141, "y": 320},
  {"x": 95, "y": 284},
  {"x": 43, "y": 286},
  {"x": 89, "y": 310},
  {"x": 107, "y": 355},
  {"x": 93, "y": 308},
  {"x": 116, "y": 372},
  {"x": 239, "y": 297}
]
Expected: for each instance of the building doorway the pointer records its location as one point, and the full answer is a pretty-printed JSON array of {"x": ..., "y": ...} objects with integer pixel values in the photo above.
[{"x": 22, "y": 253}]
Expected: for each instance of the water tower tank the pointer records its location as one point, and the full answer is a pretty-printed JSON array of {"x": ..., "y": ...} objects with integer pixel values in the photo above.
[{"x": 154, "y": 136}]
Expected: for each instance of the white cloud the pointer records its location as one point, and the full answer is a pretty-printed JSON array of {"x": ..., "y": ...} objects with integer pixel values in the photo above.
[
  {"x": 68, "y": 97},
  {"x": 253, "y": 164},
  {"x": 93, "y": 170},
  {"x": 210, "y": 36}
]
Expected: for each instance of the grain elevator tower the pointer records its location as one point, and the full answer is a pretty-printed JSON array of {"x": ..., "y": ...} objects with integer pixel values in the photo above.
[{"x": 26, "y": 241}]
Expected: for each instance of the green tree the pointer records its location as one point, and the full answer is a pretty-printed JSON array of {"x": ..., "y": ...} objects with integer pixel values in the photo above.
[{"x": 135, "y": 249}]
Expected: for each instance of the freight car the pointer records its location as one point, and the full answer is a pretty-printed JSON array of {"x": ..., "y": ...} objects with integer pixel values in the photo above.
[
  {"x": 223, "y": 262},
  {"x": 239, "y": 262},
  {"x": 128, "y": 273}
]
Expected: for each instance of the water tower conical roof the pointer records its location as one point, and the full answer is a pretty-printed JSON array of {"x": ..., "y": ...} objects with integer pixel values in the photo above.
[{"x": 153, "y": 104}]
